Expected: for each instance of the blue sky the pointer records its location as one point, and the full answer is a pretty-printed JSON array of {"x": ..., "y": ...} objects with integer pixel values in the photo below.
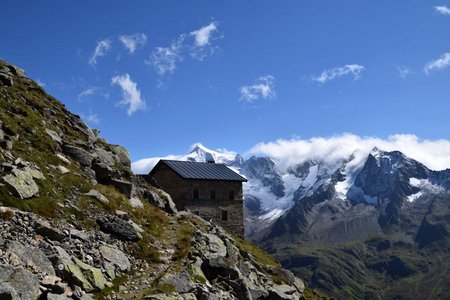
[{"x": 158, "y": 76}]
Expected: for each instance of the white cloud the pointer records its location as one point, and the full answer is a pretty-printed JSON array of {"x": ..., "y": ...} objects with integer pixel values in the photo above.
[
  {"x": 403, "y": 72},
  {"x": 438, "y": 64},
  {"x": 203, "y": 35},
  {"x": 337, "y": 72},
  {"x": 87, "y": 92},
  {"x": 442, "y": 10},
  {"x": 435, "y": 154},
  {"x": 100, "y": 50},
  {"x": 133, "y": 42},
  {"x": 93, "y": 119},
  {"x": 202, "y": 41},
  {"x": 130, "y": 92},
  {"x": 164, "y": 59},
  {"x": 264, "y": 88}
]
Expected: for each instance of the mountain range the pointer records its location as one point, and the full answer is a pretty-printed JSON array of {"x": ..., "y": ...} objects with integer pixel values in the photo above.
[{"x": 370, "y": 226}]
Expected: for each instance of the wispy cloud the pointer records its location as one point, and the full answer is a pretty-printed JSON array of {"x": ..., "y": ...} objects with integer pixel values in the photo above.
[
  {"x": 442, "y": 10},
  {"x": 404, "y": 72},
  {"x": 87, "y": 92},
  {"x": 165, "y": 59},
  {"x": 441, "y": 63},
  {"x": 92, "y": 91},
  {"x": 93, "y": 119},
  {"x": 197, "y": 44},
  {"x": 131, "y": 94},
  {"x": 100, "y": 50},
  {"x": 337, "y": 72},
  {"x": 263, "y": 88},
  {"x": 202, "y": 41},
  {"x": 133, "y": 42}
]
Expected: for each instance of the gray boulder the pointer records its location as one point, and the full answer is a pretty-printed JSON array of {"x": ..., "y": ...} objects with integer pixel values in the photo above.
[
  {"x": 29, "y": 256},
  {"x": 182, "y": 282},
  {"x": 116, "y": 257},
  {"x": 53, "y": 135},
  {"x": 97, "y": 195},
  {"x": 44, "y": 228},
  {"x": 118, "y": 228},
  {"x": 125, "y": 187},
  {"x": 105, "y": 157},
  {"x": 21, "y": 182},
  {"x": 123, "y": 157},
  {"x": 83, "y": 157},
  {"x": 22, "y": 281}
]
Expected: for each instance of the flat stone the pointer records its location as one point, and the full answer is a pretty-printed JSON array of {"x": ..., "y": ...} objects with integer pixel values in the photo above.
[
  {"x": 116, "y": 257},
  {"x": 62, "y": 170},
  {"x": 97, "y": 195},
  {"x": 53, "y": 135},
  {"x": 78, "y": 234},
  {"x": 63, "y": 158}
]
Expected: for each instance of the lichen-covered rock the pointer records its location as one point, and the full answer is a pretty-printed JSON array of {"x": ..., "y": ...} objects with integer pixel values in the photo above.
[
  {"x": 21, "y": 183},
  {"x": 116, "y": 257},
  {"x": 93, "y": 275},
  {"x": 70, "y": 271}
]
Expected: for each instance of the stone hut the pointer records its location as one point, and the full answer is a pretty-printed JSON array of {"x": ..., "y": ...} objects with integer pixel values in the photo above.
[{"x": 212, "y": 191}]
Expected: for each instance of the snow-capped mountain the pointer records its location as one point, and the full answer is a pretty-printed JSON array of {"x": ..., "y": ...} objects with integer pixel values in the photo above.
[{"x": 285, "y": 200}]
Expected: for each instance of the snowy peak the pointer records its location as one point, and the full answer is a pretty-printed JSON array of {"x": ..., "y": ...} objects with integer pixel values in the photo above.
[
  {"x": 385, "y": 177},
  {"x": 200, "y": 153}
]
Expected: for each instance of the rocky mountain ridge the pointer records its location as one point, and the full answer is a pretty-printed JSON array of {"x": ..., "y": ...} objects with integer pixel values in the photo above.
[{"x": 76, "y": 223}]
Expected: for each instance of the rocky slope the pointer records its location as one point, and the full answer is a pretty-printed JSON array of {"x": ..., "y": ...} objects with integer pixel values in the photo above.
[{"x": 76, "y": 223}]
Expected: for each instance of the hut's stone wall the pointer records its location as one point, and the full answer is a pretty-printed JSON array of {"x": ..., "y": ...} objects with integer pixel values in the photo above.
[{"x": 215, "y": 200}]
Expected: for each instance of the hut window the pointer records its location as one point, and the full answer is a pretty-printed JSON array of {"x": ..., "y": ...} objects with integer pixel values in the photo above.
[
  {"x": 195, "y": 194},
  {"x": 231, "y": 195},
  {"x": 224, "y": 215},
  {"x": 213, "y": 194}
]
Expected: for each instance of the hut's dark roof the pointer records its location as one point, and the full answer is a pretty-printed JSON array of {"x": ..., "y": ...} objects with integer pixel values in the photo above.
[{"x": 197, "y": 170}]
